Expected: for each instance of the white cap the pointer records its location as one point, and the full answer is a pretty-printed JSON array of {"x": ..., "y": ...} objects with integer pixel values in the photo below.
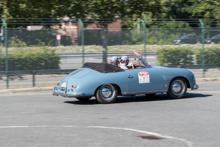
[
  {"x": 124, "y": 58},
  {"x": 114, "y": 58}
]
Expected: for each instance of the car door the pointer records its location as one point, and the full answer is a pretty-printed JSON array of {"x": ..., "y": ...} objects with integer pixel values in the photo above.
[
  {"x": 192, "y": 39},
  {"x": 216, "y": 39},
  {"x": 197, "y": 39},
  {"x": 187, "y": 39},
  {"x": 144, "y": 80}
]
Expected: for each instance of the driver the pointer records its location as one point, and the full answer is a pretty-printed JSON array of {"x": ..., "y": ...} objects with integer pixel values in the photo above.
[{"x": 124, "y": 62}]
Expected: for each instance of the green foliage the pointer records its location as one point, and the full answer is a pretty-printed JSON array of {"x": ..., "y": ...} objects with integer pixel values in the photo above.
[
  {"x": 16, "y": 43},
  {"x": 159, "y": 36},
  {"x": 21, "y": 38},
  {"x": 212, "y": 56},
  {"x": 46, "y": 59},
  {"x": 184, "y": 56},
  {"x": 208, "y": 9},
  {"x": 163, "y": 36},
  {"x": 178, "y": 8},
  {"x": 28, "y": 38},
  {"x": 175, "y": 56},
  {"x": 110, "y": 9},
  {"x": 1, "y": 49},
  {"x": 132, "y": 37},
  {"x": 34, "y": 8}
]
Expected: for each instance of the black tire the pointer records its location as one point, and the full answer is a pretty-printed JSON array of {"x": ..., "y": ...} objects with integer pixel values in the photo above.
[
  {"x": 177, "y": 88},
  {"x": 83, "y": 99},
  {"x": 107, "y": 93}
]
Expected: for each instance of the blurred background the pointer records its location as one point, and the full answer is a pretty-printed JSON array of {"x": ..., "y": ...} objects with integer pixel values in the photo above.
[{"x": 42, "y": 41}]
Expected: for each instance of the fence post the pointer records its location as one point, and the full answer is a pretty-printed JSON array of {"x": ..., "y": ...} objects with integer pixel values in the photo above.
[
  {"x": 6, "y": 51},
  {"x": 33, "y": 74},
  {"x": 82, "y": 39},
  {"x": 144, "y": 38},
  {"x": 203, "y": 48}
]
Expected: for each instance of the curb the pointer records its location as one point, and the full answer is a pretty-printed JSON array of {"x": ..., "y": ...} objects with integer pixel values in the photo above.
[
  {"x": 26, "y": 90},
  {"x": 200, "y": 80},
  {"x": 207, "y": 80}
]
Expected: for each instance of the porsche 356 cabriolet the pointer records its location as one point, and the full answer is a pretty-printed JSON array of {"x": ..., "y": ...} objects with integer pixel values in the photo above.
[{"x": 106, "y": 81}]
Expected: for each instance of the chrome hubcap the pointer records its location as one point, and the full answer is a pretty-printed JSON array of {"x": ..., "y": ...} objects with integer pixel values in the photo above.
[
  {"x": 107, "y": 92},
  {"x": 178, "y": 87}
]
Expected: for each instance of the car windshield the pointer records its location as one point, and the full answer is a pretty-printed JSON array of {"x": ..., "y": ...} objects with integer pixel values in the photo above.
[
  {"x": 216, "y": 37},
  {"x": 184, "y": 37},
  {"x": 137, "y": 61}
]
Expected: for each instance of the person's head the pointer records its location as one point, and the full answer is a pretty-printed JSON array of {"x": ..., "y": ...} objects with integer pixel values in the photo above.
[
  {"x": 125, "y": 60},
  {"x": 115, "y": 60}
]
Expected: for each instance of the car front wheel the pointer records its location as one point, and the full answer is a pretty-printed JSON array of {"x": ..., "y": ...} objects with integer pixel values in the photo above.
[
  {"x": 107, "y": 93},
  {"x": 177, "y": 88}
]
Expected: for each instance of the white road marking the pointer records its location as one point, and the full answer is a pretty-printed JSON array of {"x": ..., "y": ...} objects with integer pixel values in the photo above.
[
  {"x": 188, "y": 143},
  {"x": 11, "y": 127}
]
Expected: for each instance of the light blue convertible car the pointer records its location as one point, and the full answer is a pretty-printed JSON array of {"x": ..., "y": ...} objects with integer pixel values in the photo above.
[{"x": 106, "y": 82}]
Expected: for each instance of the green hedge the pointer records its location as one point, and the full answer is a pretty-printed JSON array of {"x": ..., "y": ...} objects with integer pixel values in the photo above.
[
  {"x": 175, "y": 56},
  {"x": 212, "y": 56},
  {"x": 184, "y": 56},
  {"x": 31, "y": 61}
]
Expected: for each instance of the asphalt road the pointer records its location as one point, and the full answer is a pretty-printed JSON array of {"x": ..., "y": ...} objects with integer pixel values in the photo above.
[{"x": 40, "y": 119}]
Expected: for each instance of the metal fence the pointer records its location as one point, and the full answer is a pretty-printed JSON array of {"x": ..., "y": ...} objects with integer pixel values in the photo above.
[{"x": 37, "y": 56}]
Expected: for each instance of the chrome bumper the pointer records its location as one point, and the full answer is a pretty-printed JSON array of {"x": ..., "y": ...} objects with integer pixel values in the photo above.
[
  {"x": 195, "y": 87},
  {"x": 65, "y": 94}
]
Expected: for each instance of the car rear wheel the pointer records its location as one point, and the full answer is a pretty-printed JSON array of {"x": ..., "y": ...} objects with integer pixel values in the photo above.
[
  {"x": 106, "y": 94},
  {"x": 177, "y": 88},
  {"x": 83, "y": 99}
]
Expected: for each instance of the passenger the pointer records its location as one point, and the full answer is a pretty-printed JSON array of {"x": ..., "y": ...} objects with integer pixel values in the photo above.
[
  {"x": 114, "y": 61},
  {"x": 124, "y": 62}
]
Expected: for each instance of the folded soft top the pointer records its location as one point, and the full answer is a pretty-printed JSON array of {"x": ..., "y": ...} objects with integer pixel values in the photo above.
[{"x": 102, "y": 67}]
